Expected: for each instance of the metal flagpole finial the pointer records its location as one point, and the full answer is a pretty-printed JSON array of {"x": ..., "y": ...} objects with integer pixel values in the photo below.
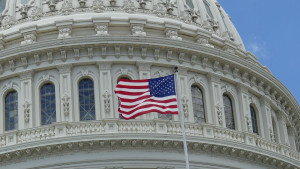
[{"x": 176, "y": 69}]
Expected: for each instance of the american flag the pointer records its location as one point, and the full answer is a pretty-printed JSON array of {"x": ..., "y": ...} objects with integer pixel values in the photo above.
[{"x": 138, "y": 97}]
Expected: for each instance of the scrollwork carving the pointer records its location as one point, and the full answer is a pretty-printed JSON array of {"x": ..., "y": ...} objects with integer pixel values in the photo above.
[
  {"x": 173, "y": 34},
  {"x": 26, "y": 107},
  {"x": 129, "y": 6},
  {"x": 219, "y": 109},
  {"x": 185, "y": 107},
  {"x": 138, "y": 30},
  {"x": 66, "y": 104},
  {"x": 106, "y": 97},
  {"x": 64, "y": 32},
  {"x": 29, "y": 39},
  {"x": 98, "y": 6},
  {"x": 101, "y": 29}
]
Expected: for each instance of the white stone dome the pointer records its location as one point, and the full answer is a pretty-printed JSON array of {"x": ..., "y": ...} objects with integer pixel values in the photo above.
[{"x": 60, "y": 61}]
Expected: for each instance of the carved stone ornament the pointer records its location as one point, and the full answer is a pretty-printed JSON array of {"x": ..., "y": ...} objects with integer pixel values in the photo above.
[
  {"x": 82, "y": 3},
  {"x": 194, "y": 15},
  {"x": 23, "y": 9},
  {"x": 173, "y": 34},
  {"x": 129, "y": 6},
  {"x": 9, "y": 85},
  {"x": 66, "y": 7},
  {"x": 196, "y": 79},
  {"x": 142, "y": 3},
  {"x": 8, "y": 21},
  {"x": 84, "y": 72},
  {"x": 64, "y": 32},
  {"x": 249, "y": 123},
  {"x": 66, "y": 104},
  {"x": 106, "y": 97},
  {"x": 66, "y": 68},
  {"x": 138, "y": 30},
  {"x": 45, "y": 77},
  {"x": 26, "y": 75},
  {"x": 52, "y": 5},
  {"x": 101, "y": 29},
  {"x": 160, "y": 73},
  {"x": 29, "y": 39},
  {"x": 185, "y": 107},
  {"x": 98, "y": 6},
  {"x": 26, "y": 107},
  {"x": 36, "y": 13},
  {"x": 227, "y": 88},
  {"x": 159, "y": 9},
  {"x": 272, "y": 136},
  {"x": 204, "y": 42},
  {"x": 219, "y": 109},
  {"x": 169, "y": 5}
]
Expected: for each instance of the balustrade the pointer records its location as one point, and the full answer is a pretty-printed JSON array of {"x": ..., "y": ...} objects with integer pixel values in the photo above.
[{"x": 141, "y": 126}]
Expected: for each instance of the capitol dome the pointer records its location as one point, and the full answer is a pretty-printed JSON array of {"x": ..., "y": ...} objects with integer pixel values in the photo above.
[{"x": 60, "y": 61}]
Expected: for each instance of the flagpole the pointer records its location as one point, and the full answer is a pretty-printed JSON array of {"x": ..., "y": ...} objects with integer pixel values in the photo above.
[{"x": 182, "y": 119}]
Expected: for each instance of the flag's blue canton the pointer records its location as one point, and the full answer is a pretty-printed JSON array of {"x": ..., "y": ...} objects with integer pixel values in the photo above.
[{"x": 163, "y": 86}]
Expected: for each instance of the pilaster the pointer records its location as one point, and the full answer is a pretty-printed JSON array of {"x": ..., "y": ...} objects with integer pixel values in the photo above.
[
  {"x": 216, "y": 100},
  {"x": 184, "y": 88},
  {"x": 267, "y": 118},
  {"x": 26, "y": 96},
  {"x": 284, "y": 137},
  {"x": 65, "y": 83},
  {"x": 244, "y": 107},
  {"x": 106, "y": 91}
]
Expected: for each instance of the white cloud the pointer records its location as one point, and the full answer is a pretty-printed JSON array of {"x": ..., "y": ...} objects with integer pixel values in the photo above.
[{"x": 259, "y": 49}]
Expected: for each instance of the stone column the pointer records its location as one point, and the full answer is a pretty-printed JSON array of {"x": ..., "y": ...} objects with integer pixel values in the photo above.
[
  {"x": 244, "y": 107},
  {"x": 284, "y": 137},
  {"x": 267, "y": 118},
  {"x": 26, "y": 96},
  {"x": 144, "y": 73},
  {"x": 106, "y": 91},
  {"x": 65, "y": 83},
  {"x": 291, "y": 134},
  {"x": 216, "y": 100}
]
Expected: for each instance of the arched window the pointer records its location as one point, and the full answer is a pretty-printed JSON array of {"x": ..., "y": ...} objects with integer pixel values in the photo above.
[
  {"x": 229, "y": 117},
  {"x": 208, "y": 10},
  {"x": 126, "y": 78},
  {"x": 190, "y": 3},
  {"x": 198, "y": 104},
  {"x": 48, "y": 105},
  {"x": 2, "y": 5},
  {"x": 254, "y": 120},
  {"x": 86, "y": 99},
  {"x": 11, "y": 111}
]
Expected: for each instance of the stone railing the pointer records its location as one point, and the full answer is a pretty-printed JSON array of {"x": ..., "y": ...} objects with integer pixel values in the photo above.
[{"x": 67, "y": 129}]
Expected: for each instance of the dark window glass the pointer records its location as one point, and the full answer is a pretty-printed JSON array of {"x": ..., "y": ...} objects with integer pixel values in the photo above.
[
  {"x": 229, "y": 118},
  {"x": 2, "y": 5},
  {"x": 254, "y": 120},
  {"x": 198, "y": 105},
  {"x": 190, "y": 3},
  {"x": 86, "y": 100},
  {"x": 11, "y": 111},
  {"x": 48, "y": 105}
]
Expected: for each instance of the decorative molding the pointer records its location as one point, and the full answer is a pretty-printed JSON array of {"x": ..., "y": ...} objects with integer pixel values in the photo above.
[
  {"x": 219, "y": 109},
  {"x": 101, "y": 29},
  {"x": 66, "y": 104},
  {"x": 64, "y": 32},
  {"x": 26, "y": 107},
  {"x": 173, "y": 34},
  {"x": 29, "y": 39},
  {"x": 106, "y": 98},
  {"x": 185, "y": 108},
  {"x": 26, "y": 75},
  {"x": 65, "y": 68},
  {"x": 138, "y": 30}
]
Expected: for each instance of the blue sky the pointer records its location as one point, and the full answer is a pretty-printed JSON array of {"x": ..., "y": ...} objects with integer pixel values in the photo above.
[{"x": 271, "y": 30}]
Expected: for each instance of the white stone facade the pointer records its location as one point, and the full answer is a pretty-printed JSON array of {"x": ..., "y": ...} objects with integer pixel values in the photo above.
[{"x": 64, "y": 41}]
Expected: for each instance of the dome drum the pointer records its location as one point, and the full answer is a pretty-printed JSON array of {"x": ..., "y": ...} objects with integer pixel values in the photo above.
[{"x": 61, "y": 60}]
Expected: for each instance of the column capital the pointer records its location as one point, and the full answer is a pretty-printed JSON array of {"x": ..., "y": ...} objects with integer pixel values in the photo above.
[
  {"x": 65, "y": 68},
  {"x": 26, "y": 75},
  {"x": 213, "y": 78},
  {"x": 104, "y": 65},
  {"x": 143, "y": 66}
]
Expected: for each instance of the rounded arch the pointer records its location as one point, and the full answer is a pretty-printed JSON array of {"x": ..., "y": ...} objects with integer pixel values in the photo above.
[
  {"x": 198, "y": 104},
  {"x": 88, "y": 73},
  {"x": 11, "y": 110},
  {"x": 8, "y": 87},
  {"x": 86, "y": 99},
  {"x": 48, "y": 103},
  {"x": 230, "y": 119},
  {"x": 43, "y": 79},
  {"x": 254, "y": 118}
]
